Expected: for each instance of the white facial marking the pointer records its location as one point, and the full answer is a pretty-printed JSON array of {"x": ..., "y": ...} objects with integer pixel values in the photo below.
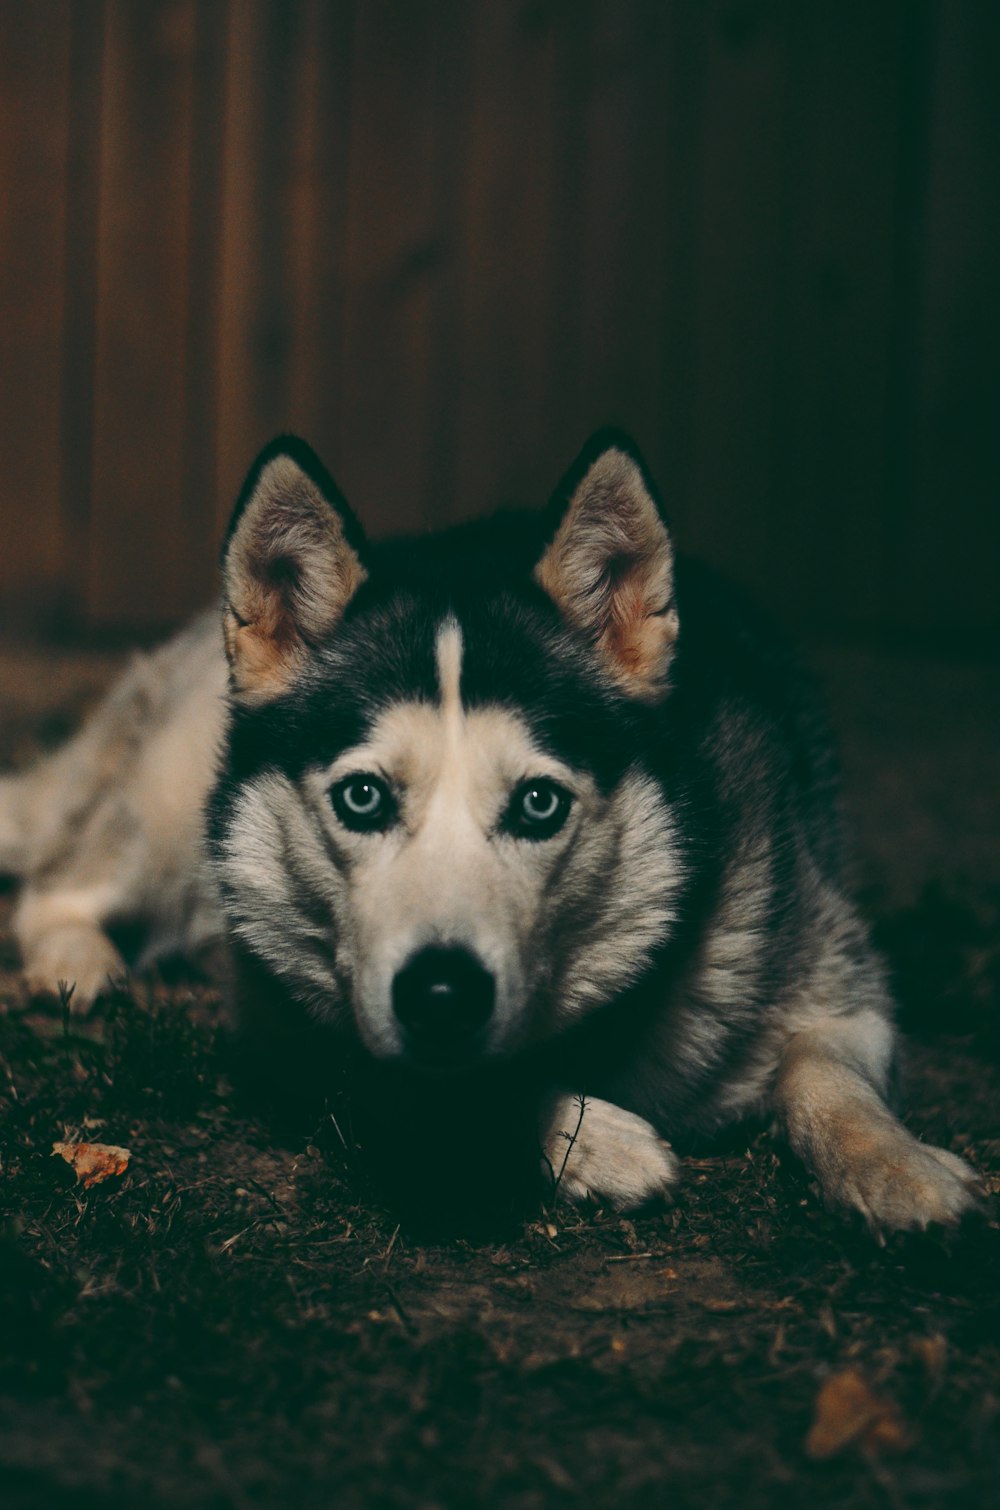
[
  {"x": 448, "y": 654},
  {"x": 446, "y": 873}
]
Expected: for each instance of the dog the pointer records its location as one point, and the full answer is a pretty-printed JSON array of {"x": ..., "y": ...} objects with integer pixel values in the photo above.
[{"x": 534, "y": 790}]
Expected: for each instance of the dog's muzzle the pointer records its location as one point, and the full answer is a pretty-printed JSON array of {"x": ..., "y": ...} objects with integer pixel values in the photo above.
[{"x": 443, "y": 997}]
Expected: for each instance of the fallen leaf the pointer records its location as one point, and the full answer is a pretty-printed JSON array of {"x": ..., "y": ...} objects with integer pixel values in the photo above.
[
  {"x": 93, "y": 1162},
  {"x": 848, "y": 1414}
]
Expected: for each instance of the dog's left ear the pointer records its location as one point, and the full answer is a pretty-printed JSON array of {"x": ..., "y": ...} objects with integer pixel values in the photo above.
[
  {"x": 291, "y": 564},
  {"x": 609, "y": 566}
]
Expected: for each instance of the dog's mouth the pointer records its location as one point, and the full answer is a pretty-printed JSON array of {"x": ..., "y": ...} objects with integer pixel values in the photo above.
[{"x": 444, "y": 1058}]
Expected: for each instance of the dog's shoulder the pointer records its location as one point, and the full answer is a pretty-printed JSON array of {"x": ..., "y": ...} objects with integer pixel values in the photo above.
[{"x": 744, "y": 687}]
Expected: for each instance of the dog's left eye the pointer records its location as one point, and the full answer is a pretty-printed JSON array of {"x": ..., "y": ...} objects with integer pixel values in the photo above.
[
  {"x": 363, "y": 803},
  {"x": 538, "y": 809}
]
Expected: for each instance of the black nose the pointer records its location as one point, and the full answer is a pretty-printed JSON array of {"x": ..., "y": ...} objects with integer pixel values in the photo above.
[{"x": 442, "y": 997}]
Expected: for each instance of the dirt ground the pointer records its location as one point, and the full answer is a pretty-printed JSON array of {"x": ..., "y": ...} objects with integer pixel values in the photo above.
[{"x": 237, "y": 1320}]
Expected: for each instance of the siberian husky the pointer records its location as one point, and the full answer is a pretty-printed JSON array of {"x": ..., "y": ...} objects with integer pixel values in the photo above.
[{"x": 536, "y": 790}]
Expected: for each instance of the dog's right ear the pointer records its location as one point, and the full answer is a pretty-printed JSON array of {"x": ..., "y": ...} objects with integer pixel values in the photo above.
[
  {"x": 609, "y": 564},
  {"x": 291, "y": 563}
]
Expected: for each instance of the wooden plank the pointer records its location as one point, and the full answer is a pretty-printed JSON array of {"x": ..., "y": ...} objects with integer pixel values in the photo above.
[
  {"x": 333, "y": 176},
  {"x": 682, "y": 73},
  {"x": 736, "y": 293},
  {"x": 393, "y": 256},
  {"x": 821, "y": 520},
  {"x": 82, "y": 205},
  {"x": 318, "y": 213},
  {"x": 255, "y": 341},
  {"x": 34, "y": 153},
  {"x": 502, "y": 413},
  {"x": 198, "y": 532},
  {"x": 136, "y": 568},
  {"x": 945, "y": 542},
  {"x": 453, "y": 87},
  {"x": 627, "y": 194}
]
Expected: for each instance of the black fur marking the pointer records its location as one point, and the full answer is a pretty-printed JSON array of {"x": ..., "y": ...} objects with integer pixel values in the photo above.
[{"x": 609, "y": 438}]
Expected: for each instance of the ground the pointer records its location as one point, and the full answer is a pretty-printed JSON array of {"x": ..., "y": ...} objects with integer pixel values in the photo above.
[{"x": 236, "y": 1320}]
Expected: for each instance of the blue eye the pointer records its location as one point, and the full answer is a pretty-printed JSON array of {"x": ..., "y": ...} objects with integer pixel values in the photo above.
[
  {"x": 538, "y": 809},
  {"x": 363, "y": 803}
]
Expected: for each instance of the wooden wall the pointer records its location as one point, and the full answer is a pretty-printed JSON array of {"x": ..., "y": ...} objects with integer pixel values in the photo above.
[{"x": 444, "y": 239}]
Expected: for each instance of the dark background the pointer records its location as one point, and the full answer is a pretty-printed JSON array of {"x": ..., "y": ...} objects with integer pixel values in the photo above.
[{"x": 445, "y": 240}]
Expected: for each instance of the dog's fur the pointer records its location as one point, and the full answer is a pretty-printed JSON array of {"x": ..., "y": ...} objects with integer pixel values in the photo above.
[{"x": 680, "y": 948}]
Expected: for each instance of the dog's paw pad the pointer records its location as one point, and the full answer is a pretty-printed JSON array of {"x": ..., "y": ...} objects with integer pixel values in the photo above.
[{"x": 608, "y": 1155}]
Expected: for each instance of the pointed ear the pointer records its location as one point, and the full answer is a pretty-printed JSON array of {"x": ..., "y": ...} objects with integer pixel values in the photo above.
[
  {"x": 291, "y": 564},
  {"x": 609, "y": 566}
]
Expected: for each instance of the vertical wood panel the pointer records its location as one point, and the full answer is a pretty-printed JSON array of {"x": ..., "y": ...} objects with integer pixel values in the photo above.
[
  {"x": 503, "y": 406},
  {"x": 34, "y": 151},
  {"x": 284, "y": 217},
  {"x": 394, "y": 253},
  {"x": 453, "y": 88},
  {"x": 317, "y": 221},
  {"x": 682, "y": 68},
  {"x": 737, "y": 293},
  {"x": 821, "y": 520},
  {"x": 77, "y": 377},
  {"x": 255, "y": 339},
  {"x": 135, "y": 570},
  {"x": 945, "y": 566},
  {"x": 198, "y": 537},
  {"x": 623, "y": 225}
]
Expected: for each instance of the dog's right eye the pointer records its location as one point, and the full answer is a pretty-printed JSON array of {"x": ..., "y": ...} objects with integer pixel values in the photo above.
[
  {"x": 363, "y": 803},
  {"x": 538, "y": 809}
]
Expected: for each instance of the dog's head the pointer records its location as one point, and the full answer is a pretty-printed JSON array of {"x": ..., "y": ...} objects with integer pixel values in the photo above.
[{"x": 434, "y": 812}]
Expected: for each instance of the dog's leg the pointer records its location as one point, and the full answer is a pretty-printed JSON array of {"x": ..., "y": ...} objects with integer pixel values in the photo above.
[
  {"x": 82, "y": 883},
  {"x": 63, "y": 943},
  {"x": 13, "y": 838},
  {"x": 829, "y": 1098},
  {"x": 596, "y": 1149}
]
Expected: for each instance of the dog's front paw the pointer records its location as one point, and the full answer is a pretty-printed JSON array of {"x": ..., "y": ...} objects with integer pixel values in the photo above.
[
  {"x": 899, "y": 1184},
  {"x": 77, "y": 958},
  {"x": 595, "y": 1149}
]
